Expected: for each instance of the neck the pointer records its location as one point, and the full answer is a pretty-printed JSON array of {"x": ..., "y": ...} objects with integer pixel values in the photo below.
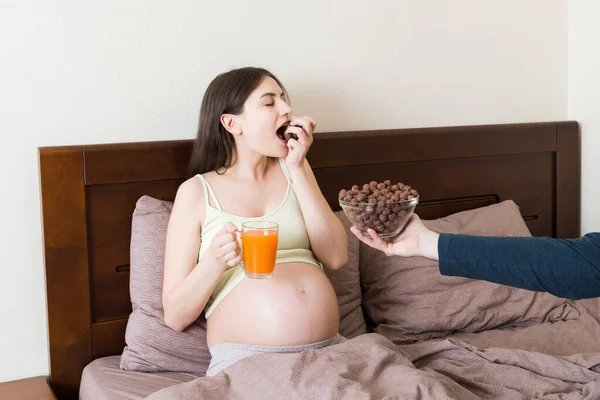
[{"x": 249, "y": 166}]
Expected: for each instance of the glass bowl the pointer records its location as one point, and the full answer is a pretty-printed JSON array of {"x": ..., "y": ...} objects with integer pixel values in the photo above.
[{"x": 386, "y": 218}]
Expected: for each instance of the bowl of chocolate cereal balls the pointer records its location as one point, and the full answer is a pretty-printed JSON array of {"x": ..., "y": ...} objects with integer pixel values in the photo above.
[{"x": 381, "y": 206}]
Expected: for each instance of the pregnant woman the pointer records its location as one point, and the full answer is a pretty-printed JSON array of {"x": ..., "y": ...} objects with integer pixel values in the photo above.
[{"x": 249, "y": 164}]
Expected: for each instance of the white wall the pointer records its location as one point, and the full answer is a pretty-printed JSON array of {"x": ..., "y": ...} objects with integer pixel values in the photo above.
[
  {"x": 74, "y": 72},
  {"x": 584, "y": 102}
]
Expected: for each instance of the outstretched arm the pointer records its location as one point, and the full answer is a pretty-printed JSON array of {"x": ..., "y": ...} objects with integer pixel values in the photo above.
[{"x": 568, "y": 268}]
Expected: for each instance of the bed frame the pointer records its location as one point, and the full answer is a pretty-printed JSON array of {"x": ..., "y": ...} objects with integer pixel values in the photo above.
[{"x": 88, "y": 194}]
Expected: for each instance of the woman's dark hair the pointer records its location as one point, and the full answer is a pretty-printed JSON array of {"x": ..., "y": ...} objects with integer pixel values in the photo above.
[{"x": 226, "y": 94}]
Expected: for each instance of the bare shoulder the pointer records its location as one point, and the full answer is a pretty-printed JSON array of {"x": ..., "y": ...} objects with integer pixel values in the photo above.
[
  {"x": 189, "y": 199},
  {"x": 191, "y": 189}
]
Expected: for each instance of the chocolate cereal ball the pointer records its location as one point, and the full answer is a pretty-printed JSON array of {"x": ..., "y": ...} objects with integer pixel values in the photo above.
[{"x": 382, "y": 206}]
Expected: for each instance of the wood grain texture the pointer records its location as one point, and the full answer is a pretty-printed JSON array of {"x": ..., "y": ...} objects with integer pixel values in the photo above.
[
  {"x": 136, "y": 162},
  {"x": 27, "y": 389},
  {"x": 66, "y": 264},
  {"x": 336, "y": 149},
  {"x": 108, "y": 338},
  {"x": 110, "y": 207},
  {"x": 568, "y": 180}
]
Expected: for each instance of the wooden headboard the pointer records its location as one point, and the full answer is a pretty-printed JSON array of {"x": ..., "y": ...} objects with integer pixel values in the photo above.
[{"x": 89, "y": 193}]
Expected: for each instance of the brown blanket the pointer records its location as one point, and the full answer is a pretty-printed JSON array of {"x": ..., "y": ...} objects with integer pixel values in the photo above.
[{"x": 372, "y": 367}]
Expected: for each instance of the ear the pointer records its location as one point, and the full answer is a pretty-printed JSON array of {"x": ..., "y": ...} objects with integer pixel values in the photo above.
[{"x": 231, "y": 123}]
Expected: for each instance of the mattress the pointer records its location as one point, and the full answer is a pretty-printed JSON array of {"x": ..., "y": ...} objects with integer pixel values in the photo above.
[{"x": 102, "y": 379}]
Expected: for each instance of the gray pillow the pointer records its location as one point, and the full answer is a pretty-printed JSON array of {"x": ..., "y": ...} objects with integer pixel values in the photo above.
[
  {"x": 407, "y": 299},
  {"x": 151, "y": 345}
]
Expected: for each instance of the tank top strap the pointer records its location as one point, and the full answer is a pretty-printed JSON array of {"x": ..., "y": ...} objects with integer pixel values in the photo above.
[
  {"x": 209, "y": 191},
  {"x": 285, "y": 170}
]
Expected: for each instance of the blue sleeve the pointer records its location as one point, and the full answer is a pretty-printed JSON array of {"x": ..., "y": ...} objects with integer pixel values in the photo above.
[{"x": 567, "y": 268}]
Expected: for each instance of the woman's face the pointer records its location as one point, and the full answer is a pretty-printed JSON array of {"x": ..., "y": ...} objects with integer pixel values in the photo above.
[{"x": 265, "y": 111}]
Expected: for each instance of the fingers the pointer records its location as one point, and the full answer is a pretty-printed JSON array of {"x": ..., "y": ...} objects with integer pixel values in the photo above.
[
  {"x": 229, "y": 227},
  {"x": 227, "y": 234},
  {"x": 299, "y": 132},
  {"x": 366, "y": 240},
  {"x": 229, "y": 247},
  {"x": 295, "y": 146},
  {"x": 235, "y": 261},
  {"x": 226, "y": 248},
  {"x": 223, "y": 238},
  {"x": 231, "y": 256},
  {"x": 307, "y": 124},
  {"x": 378, "y": 242},
  {"x": 312, "y": 121},
  {"x": 360, "y": 236},
  {"x": 374, "y": 241},
  {"x": 229, "y": 253},
  {"x": 292, "y": 144}
]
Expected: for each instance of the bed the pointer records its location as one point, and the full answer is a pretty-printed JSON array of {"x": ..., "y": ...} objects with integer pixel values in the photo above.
[{"x": 89, "y": 193}]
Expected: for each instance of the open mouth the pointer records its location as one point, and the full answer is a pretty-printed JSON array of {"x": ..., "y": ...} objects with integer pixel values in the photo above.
[
  {"x": 281, "y": 132},
  {"x": 283, "y": 135}
]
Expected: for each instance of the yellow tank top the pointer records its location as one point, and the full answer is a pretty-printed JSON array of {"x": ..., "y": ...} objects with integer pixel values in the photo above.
[{"x": 293, "y": 244}]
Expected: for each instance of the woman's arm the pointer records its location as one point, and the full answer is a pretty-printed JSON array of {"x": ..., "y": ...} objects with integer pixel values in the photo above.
[
  {"x": 188, "y": 283},
  {"x": 326, "y": 233}
]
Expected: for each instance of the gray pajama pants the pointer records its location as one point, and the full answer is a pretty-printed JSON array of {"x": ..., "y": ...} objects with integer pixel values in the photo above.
[{"x": 224, "y": 355}]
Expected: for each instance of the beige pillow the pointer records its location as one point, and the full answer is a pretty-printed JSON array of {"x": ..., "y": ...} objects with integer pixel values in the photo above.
[
  {"x": 406, "y": 299},
  {"x": 151, "y": 345},
  {"x": 346, "y": 282}
]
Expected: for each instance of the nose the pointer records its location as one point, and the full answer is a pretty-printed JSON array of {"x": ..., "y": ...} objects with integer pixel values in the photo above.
[{"x": 285, "y": 108}]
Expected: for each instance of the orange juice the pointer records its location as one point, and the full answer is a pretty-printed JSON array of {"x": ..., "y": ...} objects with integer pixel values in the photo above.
[{"x": 259, "y": 250}]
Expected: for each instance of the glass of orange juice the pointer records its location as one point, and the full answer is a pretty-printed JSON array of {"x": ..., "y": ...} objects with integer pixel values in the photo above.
[{"x": 259, "y": 248}]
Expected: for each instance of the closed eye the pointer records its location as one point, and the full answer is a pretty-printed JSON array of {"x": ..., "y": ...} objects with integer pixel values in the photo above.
[{"x": 273, "y": 95}]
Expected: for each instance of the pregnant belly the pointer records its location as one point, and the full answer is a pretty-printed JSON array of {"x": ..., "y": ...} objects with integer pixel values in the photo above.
[{"x": 297, "y": 305}]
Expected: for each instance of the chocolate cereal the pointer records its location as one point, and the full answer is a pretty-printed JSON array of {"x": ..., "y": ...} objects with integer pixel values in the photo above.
[{"x": 381, "y": 206}]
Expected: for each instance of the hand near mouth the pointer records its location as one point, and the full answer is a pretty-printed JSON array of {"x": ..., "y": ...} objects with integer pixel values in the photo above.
[{"x": 299, "y": 136}]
